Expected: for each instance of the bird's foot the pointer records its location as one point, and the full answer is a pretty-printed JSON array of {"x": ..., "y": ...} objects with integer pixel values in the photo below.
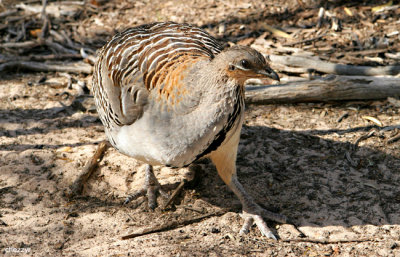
[
  {"x": 254, "y": 213},
  {"x": 150, "y": 189},
  {"x": 257, "y": 216}
]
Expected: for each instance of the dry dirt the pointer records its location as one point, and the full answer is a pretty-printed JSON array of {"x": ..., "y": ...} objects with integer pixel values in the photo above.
[{"x": 296, "y": 159}]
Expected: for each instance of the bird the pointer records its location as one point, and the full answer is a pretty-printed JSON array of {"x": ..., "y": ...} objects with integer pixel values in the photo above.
[{"x": 170, "y": 94}]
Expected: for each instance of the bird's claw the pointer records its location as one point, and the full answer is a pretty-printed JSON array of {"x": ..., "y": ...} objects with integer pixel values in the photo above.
[
  {"x": 150, "y": 192},
  {"x": 251, "y": 218},
  {"x": 150, "y": 189}
]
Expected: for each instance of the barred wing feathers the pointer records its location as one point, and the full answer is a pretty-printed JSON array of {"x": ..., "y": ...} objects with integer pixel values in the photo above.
[{"x": 142, "y": 59}]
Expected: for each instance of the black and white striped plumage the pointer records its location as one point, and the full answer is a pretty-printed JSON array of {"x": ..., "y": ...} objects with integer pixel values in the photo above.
[{"x": 169, "y": 94}]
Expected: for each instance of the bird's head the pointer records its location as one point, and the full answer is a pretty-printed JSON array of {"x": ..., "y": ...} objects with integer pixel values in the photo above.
[{"x": 243, "y": 63}]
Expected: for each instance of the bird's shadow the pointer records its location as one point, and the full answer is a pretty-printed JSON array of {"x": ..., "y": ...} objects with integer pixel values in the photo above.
[{"x": 311, "y": 180}]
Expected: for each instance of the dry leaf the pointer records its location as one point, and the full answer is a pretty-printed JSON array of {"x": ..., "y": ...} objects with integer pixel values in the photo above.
[
  {"x": 348, "y": 11},
  {"x": 65, "y": 149},
  {"x": 275, "y": 31},
  {"x": 373, "y": 119},
  {"x": 35, "y": 32},
  {"x": 381, "y": 7}
]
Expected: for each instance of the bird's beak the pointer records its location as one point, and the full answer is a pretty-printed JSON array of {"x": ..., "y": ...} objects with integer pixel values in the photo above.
[{"x": 269, "y": 73}]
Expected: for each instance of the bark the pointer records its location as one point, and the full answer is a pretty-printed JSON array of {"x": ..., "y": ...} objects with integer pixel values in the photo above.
[{"x": 330, "y": 88}]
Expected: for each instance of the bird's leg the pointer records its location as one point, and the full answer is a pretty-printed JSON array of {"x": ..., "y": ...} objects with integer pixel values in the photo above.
[
  {"x": 224, "y": 159},
  {"x": 150, "y": 188},
  {"x": 252, "y": 212}
]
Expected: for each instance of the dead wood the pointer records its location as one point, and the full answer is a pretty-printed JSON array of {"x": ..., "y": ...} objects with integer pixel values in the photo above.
[
  {"x": 330, "y": 88},
  {"x": 305, "y": 40},
  {"x": 172, "y": 225},
  {"x": 329, "y": 241},
  {"x": 91, "y": 165},
  {"x": 79, "y": 67},
  {"x": 174, "y": 194},
  {"x": 334, "y": 68}
]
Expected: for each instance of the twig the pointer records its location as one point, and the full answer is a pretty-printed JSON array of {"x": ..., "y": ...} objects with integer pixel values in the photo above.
[
  {"x": 350, "y": 160},
  {"x": 368, "y": 52},
  {"x": 7, "y": 13},
  {"x": 59, "y": 48},
  {"x": 91, "y": 165},
  {"x": 26, "y": 44},
  {"x": 39, "y": 66},
  {"x": 321, "y": 15},
  {"x": 363, "y": 137},
  {"x": 53, "y": 57},
  {"x": 330, "y": 241},
  {"x": 389, "y": 128},
  {"x": 174, "y": 194},
  {"x": 305, "y": 40},
  {"x": 275, "y": 31},
  {"x": 31, "y": 44},
  {"x": 343, "y": 116},
  {"x": 172, "y": 225},
  {"x": 46, "y": 21},
  {"x": 395, "y": 56},
  {"x": 49, "y": 57},
  {"x": 393, "y": 139},
  {"x": 191, "y": 208}
]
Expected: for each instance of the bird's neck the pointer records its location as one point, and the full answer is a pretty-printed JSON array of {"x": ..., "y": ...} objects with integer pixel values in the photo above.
[{"x": 219, "y": 93}]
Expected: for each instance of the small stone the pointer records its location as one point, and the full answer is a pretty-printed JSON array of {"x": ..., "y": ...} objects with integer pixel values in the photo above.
[{"x": 215, "y": 230}]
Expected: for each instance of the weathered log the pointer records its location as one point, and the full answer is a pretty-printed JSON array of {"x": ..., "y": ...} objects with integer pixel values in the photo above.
[
  {"x": 329, "y": 88},
  {"x": 314, "y": 63}
]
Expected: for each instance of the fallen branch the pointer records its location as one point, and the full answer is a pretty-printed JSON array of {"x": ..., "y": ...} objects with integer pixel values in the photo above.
[
  {"x": 393, "y": 139},
  {"x": 334, "y": 68},
  {"x": 90, "y": 167},
  {"x": 174, "y": 194},
  {"x": 305, "y": 40},
  {"x": 25, "y": 44},
  {"x": 46, "y": 22},
  {"x": 57, "y": 47},
  {"x": 329, "y": 88},
  {"x": 330, "y": 241},
  {"x": 8, "y": 13},
  {"x": 79, "y": 67},
  {"x": 172, "y": 225}
]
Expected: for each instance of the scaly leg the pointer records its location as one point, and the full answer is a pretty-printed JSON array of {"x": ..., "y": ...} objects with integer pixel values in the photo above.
[
  {"x": 150, "y": 188},
  {"x": 252, "y": 212},
  {"x": 224, "y": 159}
]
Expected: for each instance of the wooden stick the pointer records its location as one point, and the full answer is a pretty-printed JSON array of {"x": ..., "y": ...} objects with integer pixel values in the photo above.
[
  {"x": 79, "y": 67},
  {"x": 8, "y": 13},
  {"x": 393, "y": 139},
  {"x": 172, "y": 225},
  {"x": 334, "y": 68},
  {"x": 174, "y": 194},
  {"x": 25, "y": 44},
  {"x": 90, "y": 167},
  {"x": 46, "y": 22},
  {"x": 330, "y": 241},
  {"x": 363, "y": 137},
  {"x": 44, "y": 42},
  {"x": 329, "y": 88},
  {"x": 51, "y": 57},
  {"x": 305, "y": 40}
]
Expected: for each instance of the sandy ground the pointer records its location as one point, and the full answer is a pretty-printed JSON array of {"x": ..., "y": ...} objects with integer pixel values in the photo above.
[{"x": 296, "y": 159}]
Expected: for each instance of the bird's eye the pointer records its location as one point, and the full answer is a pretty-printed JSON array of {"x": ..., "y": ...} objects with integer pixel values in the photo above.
[{"x": 245, "y": 64}]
